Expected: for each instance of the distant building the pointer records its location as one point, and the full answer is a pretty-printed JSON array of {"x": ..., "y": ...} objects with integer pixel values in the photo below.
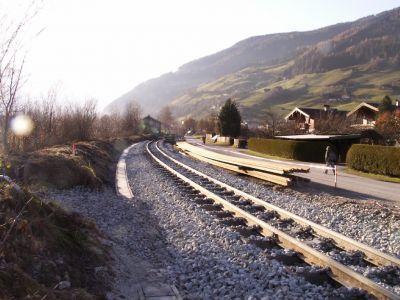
[
  {"x": 151, "y": 125},
  {"x": 364, "y": 115},
  {"x": 306, "y": 118}
]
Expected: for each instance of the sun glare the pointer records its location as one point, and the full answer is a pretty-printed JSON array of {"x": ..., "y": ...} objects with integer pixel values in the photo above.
[{"x": 22, "y": 125}]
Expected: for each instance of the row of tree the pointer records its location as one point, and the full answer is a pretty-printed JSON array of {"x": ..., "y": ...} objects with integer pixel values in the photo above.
[
  {"x": 227, "y": 123},
  {"x": 52, "y": 123},
  {"x": 59, "y": 124}
]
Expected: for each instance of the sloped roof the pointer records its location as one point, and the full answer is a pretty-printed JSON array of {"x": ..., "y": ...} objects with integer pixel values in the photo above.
[
  {"x": 311, "y": 112},
  {"x": 374, "y": 104},
  {"x": 300, "y": 110},
  {"x": 371, "y": 105},
  {"x": 150, "y": 118},
  {"x": 316, "y": 113}
]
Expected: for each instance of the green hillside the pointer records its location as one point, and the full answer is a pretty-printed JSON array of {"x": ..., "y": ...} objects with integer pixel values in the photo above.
[
  {"x": 340, "y": 65},
  {"x": 262, "y": 91}
]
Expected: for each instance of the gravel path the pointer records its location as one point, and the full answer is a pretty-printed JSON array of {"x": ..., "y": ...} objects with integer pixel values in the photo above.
[
  {"x": 161, "y": 235},
  {"x": 367, "y": 222}
]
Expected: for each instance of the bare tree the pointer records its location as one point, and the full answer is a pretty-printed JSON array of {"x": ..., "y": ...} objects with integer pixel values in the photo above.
[
  {"x": 83, "y": 119},
  {"x": 10, "y": 79},
  {"x": 104, "y": 126},
  {"x": 12, "y": 60},
  {"x": 44, "y": 113},
  {"x": 57, "y": 124},
  {"x": 190, "y": 124},
  {"x": 131, "y": 119},
  {"x": 50, "y": 110},
  {"x": 76, "y": 122},
  {"x": 207, "y": 124},
  {"x": 332, "y": 125},
  {"x": 166, "y": 118}
]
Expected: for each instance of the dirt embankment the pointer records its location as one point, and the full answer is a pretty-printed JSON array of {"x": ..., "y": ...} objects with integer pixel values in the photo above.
[
  {"x": 45, "y": 251},
  {"x": 48, "y": 253},
  {"x": 92, "y": 165}
]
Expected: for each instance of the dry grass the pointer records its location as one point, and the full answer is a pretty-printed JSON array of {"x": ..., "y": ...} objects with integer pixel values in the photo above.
[
  {"x": 92, "y": 166},
  {"x": 47, "y": 245}
]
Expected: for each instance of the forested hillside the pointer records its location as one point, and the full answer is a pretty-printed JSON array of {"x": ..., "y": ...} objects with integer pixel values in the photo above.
[
  {"x": 375, "y": 40},
  {"x": 268, "y": 75}
]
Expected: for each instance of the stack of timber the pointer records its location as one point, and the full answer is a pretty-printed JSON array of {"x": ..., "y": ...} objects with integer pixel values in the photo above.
[{"x": 281, "y": 174}]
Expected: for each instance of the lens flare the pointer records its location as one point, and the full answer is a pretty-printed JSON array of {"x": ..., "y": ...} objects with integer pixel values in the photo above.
[{"x": 22, "y": 125}]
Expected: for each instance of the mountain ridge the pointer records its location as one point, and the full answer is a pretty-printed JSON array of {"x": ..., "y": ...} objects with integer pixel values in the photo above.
[{"x": 297, "y": 51}]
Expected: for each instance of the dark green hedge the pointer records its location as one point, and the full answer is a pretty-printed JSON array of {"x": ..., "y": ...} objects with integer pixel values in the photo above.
[
  {"x": 384, "y": 160},
  {"x": 299, "y": 150}
]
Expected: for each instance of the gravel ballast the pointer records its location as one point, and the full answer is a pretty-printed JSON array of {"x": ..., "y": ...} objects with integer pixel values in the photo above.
[
  {"x": 131, "y": 231},
  {"x": 162, "y": 236},
  {"x": 366, "y": 222},
  {"x": 211, "y": 261}
]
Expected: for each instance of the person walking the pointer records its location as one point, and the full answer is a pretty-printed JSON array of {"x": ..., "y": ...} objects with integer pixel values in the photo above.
[{"x": 330, "y": 159}]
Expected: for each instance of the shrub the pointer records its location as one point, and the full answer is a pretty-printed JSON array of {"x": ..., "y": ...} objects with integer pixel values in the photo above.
[
  {"x": 384, "y": 160},
  {"x": 299, "y": 150}
]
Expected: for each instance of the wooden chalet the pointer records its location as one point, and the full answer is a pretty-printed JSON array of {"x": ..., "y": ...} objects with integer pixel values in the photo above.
[
  {"x": 364, "y": 115},
  {"x": 306, "y": 118}
]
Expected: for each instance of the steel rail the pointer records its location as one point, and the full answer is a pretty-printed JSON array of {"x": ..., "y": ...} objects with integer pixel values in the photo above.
[
  {"x": 372, "y": 255},
  {"x": 338, "y": 271}
]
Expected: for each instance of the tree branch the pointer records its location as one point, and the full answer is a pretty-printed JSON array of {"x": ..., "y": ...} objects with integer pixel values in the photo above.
[{"x": 3, "y": 242}]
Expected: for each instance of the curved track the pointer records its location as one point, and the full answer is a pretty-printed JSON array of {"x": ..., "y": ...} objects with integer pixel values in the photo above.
[{"x": 311, "y": 242}]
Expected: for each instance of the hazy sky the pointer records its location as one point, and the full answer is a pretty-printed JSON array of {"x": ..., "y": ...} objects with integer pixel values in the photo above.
[{"x": 102, "y": 49}]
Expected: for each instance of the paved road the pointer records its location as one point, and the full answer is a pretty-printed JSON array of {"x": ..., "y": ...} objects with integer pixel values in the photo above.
[{"x": 347, "y": 184}]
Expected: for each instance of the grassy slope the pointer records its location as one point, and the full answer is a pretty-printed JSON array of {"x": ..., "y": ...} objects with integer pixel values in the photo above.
[{"x": 255, "y": 89}]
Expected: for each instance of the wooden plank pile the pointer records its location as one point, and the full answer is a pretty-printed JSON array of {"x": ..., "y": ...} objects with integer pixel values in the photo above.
[{"x": 281, "y": 174}]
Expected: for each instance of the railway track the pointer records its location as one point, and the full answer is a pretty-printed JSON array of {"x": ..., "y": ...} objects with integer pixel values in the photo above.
[{"x": 268, "y": 225}]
